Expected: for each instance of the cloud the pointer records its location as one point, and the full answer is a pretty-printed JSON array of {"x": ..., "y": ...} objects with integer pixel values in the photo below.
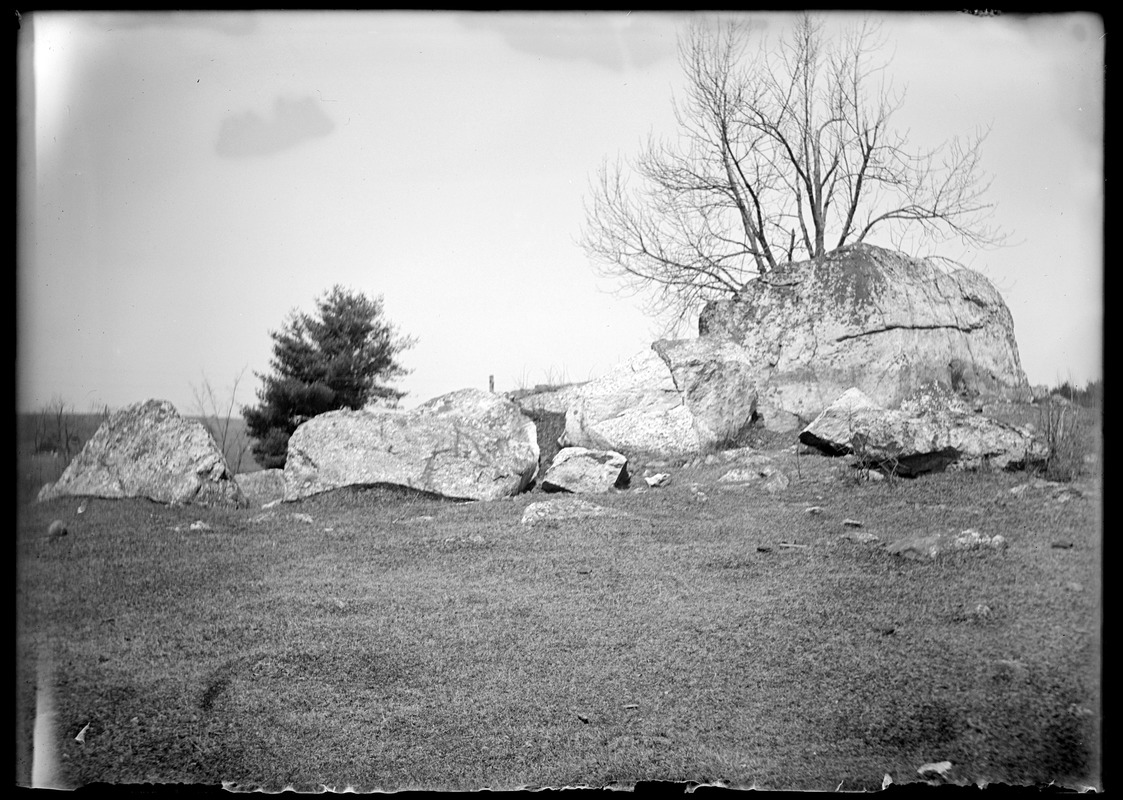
[{"x": 293, "y": 121}]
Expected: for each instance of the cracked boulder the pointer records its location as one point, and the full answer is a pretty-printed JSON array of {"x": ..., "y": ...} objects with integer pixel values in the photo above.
[
  {"x": 467, "y": 445},
  {"x": 921, "y": 439},
  {"x": 868, "y": 318},
  {"x": 680, "y": 398},
  {"x": 148, "y": 450}
]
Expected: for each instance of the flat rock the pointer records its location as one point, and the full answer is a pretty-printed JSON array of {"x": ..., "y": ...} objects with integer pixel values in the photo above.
[
  {"x": 916, "y": 547},
  {"x": 564, "y": 509},
  {"x": 906, "y": 444},
  {"x": 581, "y": 470},
  {"x": 932, "y": 546}
]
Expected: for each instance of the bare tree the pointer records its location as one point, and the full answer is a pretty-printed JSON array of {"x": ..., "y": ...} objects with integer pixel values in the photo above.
[
  {"x": 784, "y": 153},
  {"x": 218, "y": 419},
  {"x": 54, "y": 428}
]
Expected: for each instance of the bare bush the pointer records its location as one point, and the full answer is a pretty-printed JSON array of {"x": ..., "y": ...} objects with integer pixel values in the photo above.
[
  {"x": 54, "y": 429},
  {"x": 218, "y": 417},
  {"x": 1062, "y": 430}
]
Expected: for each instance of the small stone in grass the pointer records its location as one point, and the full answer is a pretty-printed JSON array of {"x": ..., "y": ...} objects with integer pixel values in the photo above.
[
  {"x": 814, "y": 510},
  {"x": 971, "y": 539},
  {"x": 862, "y": 537},
  {"x": 852, "y": 523},
  {"x": 56, "y": 529},
  {"x": 916, "y": 547}
]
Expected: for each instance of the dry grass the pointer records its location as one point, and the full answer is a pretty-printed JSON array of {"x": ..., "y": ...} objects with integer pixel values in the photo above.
[{"x": 396, "y": 641}]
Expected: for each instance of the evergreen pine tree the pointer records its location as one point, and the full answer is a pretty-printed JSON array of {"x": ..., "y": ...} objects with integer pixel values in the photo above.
[{"x": 340, "y": 357}]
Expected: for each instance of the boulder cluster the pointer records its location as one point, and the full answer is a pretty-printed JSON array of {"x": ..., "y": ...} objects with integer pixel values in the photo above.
[{"x": 866, "y": 352}]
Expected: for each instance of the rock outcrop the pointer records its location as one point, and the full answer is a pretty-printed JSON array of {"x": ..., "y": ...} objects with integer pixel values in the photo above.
[
  {"x": 680, "y": 398},
  {"x": 469, "y": 445},
  {"x": 584, "y": 471},
  {"x": 633, "y": 408},
  {"x": 908, "y": 444},
  {"x": 717, "y": 383},
  {"x": 869, "y": 318},
  {"x": 149, "y": 450}
]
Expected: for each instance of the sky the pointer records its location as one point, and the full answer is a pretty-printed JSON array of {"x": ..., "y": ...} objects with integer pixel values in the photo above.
[{"x": 188, "y": 179}]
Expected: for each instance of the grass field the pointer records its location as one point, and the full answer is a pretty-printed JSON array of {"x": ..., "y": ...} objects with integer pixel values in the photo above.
[{"x": 374, "y": 638}]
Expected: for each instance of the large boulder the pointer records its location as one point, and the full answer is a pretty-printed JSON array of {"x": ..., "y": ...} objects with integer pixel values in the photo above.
[
  {"x": 926, "y": 440},
  {"x": 469, "y": 445},
  {"x": 633, "y": 408},
  {"x": 717, "y": 383},
  {"x": 149, "y": 450},
  {"x": 679, "y": 398},
  {"x": 580, "y": 470},
  {"x": 869, "y": 318}
]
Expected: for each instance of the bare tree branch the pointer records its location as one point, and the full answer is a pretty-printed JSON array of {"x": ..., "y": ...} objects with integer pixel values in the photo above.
[{"x": 780, "y": 149}]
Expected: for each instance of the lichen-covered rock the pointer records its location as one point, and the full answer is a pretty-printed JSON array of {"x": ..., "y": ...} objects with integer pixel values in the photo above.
[
  {"x": 681, "y": 398},
  {"x": 929, "y": 440},
  {"x": 633, "y": 408},
  {"x": 469, "y": 444},
  {"x": 149, "y": 450},
  {"x": 584, "y": 471},
  {"x": 717, "y": 382},
  {"x": 869, "y": 318}
]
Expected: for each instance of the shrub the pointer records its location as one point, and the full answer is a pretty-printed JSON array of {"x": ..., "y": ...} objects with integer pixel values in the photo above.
[
  {"x": 1062, "y": 430},
  {"x": 338, "y": 358},
  {"x": 1091, "y": 396}
]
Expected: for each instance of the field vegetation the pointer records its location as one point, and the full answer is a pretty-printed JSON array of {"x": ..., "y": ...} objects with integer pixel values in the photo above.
[{"x": 379, "y": 638}]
